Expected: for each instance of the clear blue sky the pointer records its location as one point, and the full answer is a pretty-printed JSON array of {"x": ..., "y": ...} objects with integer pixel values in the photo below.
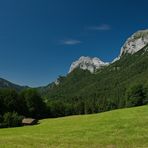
[{"x": 39, "y": 39}]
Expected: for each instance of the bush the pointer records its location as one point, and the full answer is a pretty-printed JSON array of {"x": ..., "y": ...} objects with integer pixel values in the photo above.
[{"x": 12, "y": 119}]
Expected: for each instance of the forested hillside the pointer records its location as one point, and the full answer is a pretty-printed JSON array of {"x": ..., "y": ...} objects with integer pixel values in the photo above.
[{"x": 123, "y": 83}]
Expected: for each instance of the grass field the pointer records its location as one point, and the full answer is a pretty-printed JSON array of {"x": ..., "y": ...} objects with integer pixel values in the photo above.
[{"x": 125, "y": 128}]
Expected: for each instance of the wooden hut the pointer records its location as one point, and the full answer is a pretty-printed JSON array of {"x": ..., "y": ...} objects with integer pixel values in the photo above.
[{"x": 29, "y": 121}]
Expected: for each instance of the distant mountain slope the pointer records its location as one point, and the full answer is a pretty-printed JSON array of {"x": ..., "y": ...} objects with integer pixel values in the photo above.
[{"x": 7, "y": 84}]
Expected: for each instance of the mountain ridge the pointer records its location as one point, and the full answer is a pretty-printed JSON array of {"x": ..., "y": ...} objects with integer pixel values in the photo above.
[
  {"x": 133, "y": 44},
  {"x": 7, "y": 84},
  {"x": 94, "y": 64},
  {"x": 107, "y": 88}
]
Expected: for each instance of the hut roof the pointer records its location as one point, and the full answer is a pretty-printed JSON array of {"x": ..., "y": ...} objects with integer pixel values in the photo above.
[{"x": 29, "y": 121}]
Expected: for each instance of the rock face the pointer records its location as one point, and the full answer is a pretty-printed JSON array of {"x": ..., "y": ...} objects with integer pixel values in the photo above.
[
  {"x": 132, "y": 45},
  {"x": 87, "y": 63},
  {"x": 135, "y": 43}
]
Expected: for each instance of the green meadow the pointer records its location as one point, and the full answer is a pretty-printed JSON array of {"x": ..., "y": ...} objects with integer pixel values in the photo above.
[{"x": 123, "y": 128}]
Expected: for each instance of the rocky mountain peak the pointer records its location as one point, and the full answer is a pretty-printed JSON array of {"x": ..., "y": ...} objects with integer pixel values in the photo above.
[
  {"x": 135, "y": 43},
  {"x": 87, "y": 63}
]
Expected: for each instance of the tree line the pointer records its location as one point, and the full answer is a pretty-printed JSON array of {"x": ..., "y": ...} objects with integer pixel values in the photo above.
[{"x": 15, "y": 106}]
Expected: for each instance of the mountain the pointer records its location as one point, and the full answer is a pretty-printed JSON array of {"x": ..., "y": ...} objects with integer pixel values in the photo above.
[
  {"x": 92, "y": 86},
  {"x": 87, "y": 63},
  {"x": 132, "y": 45},
  {"x": 135, "y": 43},
  {"x": 108, "y": 87},
  {"x": 7, "y": 84}
]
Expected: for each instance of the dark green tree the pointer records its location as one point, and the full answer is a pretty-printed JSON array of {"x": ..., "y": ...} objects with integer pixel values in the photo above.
[
  {"x": 135, "y": 96},
  {"x": 9, "y": 100},
  {"x": 34, "y": 103}
]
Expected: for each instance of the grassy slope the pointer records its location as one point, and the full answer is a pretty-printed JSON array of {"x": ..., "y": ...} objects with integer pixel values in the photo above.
[{"x": 125, "y": 128}]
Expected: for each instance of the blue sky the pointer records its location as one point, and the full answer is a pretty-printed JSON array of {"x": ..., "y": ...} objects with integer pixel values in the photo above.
[{"x": 39, "y": 39}]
